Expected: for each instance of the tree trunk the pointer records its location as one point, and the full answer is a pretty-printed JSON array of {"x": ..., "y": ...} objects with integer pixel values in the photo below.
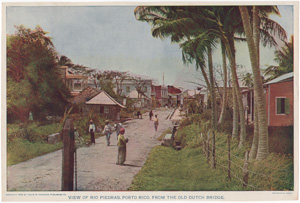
[
  {"x": 263, "y": 148},
  {"x": 253, "y": 151},
  {"x": 212, "y": 89},
  {"x": 224, "y": 101},
  {"x": 229, "y": 44},
  {"x": 235, "y": 120},
  {"x": 205, "y": 77}
]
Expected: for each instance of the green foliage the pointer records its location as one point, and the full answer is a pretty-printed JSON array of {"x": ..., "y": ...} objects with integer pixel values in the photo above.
[
  {"x": 170, "y": 170},
  {"x": 285, "y": 58},
  {"x": 33, "y": 82},
  {"x": 82, "y": 122},
  {"x": 26, "y": 141},
  {"x": 21, "y": 150},
  {"x": 32, "y": 132},
  {"x": 188, "y": 170}
]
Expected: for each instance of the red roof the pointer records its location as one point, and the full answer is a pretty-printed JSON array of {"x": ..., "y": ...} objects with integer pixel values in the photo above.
[{"x": 173, "y": 90}]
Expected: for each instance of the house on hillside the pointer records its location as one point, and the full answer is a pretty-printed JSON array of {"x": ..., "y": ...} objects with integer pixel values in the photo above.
[
  {"x": 92, "y": 99},
  {"x": 279, "y": 94},
  {"x": 137, "y": 90},
  {"x": 75, "y": 83}
]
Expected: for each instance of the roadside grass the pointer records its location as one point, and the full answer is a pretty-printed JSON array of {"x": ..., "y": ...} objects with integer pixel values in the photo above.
[
  {"x": 26, "y": 141},
  {"x": 22, "y": 150},
  {"x": 187, "y": 170},
  {"x": 170, "y": 170},
  {"x": 161, "y": 137}
]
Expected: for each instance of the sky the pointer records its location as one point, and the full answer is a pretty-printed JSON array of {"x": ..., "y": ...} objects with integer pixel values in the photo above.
[{"x": 110, "y": 38}]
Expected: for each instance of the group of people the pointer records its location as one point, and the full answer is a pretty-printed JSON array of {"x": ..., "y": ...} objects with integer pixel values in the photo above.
[{"x": 121, "y": 140}]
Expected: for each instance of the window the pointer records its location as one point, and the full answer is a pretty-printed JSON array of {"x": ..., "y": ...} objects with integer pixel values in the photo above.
[
  {"x": 283, "y": 106},
  {"x": 145, "y": 89},
  {"x": 127, "y": 89},
  {"x": 106, "y": 110},
  {"x": 77, "y": 86}
]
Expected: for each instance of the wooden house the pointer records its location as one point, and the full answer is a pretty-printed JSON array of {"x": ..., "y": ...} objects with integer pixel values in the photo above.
[
  {"x": 279, "y": 94},
  {"x": 92, "y": 99}
]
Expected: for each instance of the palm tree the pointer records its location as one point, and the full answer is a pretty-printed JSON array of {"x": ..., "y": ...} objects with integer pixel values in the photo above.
[
  {"x": 263, "y": 148},
  {"x": 173, "y": 22},
  {"x": 285, "y": 58},
  {"x": 247, "y": 80},
  {"x": 225, "y": 98}
]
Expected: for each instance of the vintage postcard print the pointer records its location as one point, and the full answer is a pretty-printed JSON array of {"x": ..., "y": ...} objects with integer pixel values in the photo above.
[{"x": 167, "y": 101}]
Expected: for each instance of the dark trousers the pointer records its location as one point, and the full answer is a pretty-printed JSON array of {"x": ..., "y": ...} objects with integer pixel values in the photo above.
[{"x": 92, "y": 136}]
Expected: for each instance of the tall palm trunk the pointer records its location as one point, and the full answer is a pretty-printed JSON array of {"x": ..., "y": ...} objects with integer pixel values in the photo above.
[
  {"x": 254, "y": 146},
  {"x": 263, "y": 146},
  {"x": 205, "y": 76},
  {"x": 212, "y": 89},
  {"x": 224, "y": 101},
  {"x": 253, "y": 151},
  {"x": 229, "y": 44},
  {"x": 235, "y": 119}
]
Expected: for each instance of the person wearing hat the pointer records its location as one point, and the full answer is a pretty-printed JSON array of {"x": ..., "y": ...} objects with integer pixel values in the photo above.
[
  {"x": 107, "y": 132},
  {"x": 121, "y": 147},
  {"x": 118, "y": 127},
  {"x": 92, "y": 129}
]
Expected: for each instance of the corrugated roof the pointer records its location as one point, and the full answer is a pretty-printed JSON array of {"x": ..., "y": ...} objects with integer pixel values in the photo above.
[
  {"x": 281, "y": 78},
  {"x": 104, "y": 99}
]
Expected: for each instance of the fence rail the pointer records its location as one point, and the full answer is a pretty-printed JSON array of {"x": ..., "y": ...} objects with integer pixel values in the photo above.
[{"x": 242, "y": 176}]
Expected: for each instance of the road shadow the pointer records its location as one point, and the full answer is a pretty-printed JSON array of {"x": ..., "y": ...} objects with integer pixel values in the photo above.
[{"x": 130, "y": 165}]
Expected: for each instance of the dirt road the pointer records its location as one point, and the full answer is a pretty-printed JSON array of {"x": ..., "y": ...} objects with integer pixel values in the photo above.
[{"x": 97, "y": 169}]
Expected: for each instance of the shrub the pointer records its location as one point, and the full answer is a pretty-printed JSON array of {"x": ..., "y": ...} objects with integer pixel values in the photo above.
[
  {"x": 82, "y": 123},
  {"x": 32, "y": 132}
]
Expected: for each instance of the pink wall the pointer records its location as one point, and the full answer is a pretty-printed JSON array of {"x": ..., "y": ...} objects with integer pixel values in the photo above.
[{"x": 285, "y": 90}]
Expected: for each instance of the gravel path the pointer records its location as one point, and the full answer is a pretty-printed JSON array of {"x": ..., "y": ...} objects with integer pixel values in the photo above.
[{"x": 97, "y": 169}]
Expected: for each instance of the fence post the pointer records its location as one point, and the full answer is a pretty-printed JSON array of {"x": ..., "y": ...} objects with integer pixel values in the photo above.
[
  {"x": 228, "y": 141},
  {"x": 68, "y": 156},
  {"x": 203, "y": 143},
  {"x": 207, "y": 155},
  {"x": 245, "y": 170},
  {"x": 213, "y": 155}
]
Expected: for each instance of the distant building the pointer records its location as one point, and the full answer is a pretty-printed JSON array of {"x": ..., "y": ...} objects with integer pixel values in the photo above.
[
  {"x": 137, "y": 90},
  {"x": 159, "y": 95},
  {"x": 75, "y": 83},
  {"x": 92, "y": 99},
  {"x": 174, "y": 95},
  {"x": 279, "y": 101},
  {"x": 192, "y": 95}
]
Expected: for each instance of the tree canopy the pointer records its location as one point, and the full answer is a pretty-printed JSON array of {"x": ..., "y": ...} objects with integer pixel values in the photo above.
[{"x": 33, "y": 82}]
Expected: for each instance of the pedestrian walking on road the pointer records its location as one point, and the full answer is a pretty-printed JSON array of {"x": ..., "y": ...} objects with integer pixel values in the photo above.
[
  {"x": 92, "y": 129},
  {"x": 121, "y": 147},
  {"x": 107, "y": 132},
  {"x": 150, "y": 115},
  {"x": 155, "y": 122},
  {"x": 118, "y": 127},
  {"x": 138, "y": 114}
]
